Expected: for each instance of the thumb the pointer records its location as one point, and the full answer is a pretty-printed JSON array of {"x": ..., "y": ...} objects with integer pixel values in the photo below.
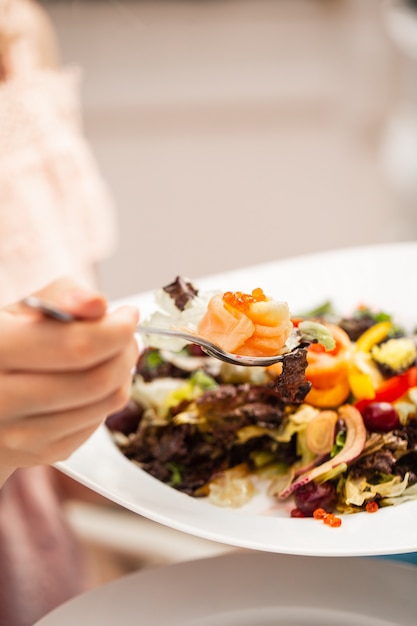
[{"x": 74, "y": 297}]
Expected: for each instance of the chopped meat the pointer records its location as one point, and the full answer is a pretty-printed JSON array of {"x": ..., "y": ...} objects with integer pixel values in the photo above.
[
  {"x": 181, "y": 292},
  {"x": 292, "y": 385}
]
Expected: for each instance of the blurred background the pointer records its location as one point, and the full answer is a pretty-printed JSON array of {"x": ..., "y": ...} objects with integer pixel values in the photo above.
[
  {"x": 236, "y": 132},
  {"x": 233, "y": 132}
]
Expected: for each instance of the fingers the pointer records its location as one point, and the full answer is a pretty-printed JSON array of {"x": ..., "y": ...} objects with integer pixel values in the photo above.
[
  {"x": 58, "y": 381},
  {"x": 74, "y": 298},
  {"x": 69, "y": 295},
  {"x": 45, "y": 439},
  {"x": 33, "y": 393},
  {"x": 31, "y": 343}
]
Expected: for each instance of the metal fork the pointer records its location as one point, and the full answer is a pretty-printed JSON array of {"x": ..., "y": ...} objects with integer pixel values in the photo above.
[{"x": 54, "y": 312}]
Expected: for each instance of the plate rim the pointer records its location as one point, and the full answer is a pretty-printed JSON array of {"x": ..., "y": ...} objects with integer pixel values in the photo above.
[{"x": 252, "y": 571}]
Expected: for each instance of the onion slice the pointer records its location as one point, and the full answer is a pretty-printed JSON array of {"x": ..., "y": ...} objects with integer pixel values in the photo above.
[
  {"x": 320, "y": 432},
  {"x": 355, "y": 441}
]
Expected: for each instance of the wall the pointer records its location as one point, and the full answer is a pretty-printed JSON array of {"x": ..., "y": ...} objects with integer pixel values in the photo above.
[{"x": 236, "y": 132}]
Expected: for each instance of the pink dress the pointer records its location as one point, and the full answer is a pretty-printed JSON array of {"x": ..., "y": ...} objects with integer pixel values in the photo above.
[
  {"x": 55, "y": 218},
  {"x": 42, "y": 563}
]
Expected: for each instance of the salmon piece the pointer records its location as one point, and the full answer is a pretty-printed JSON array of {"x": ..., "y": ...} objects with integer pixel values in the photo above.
[
  {"x": 260, "y": 346},
  {"x": 251, "y": 325},
  {"x": 228, "y": 330}
]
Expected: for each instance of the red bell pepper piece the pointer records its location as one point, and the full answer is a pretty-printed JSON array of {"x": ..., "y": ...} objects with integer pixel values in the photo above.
[{"x": 391, "y": 389}]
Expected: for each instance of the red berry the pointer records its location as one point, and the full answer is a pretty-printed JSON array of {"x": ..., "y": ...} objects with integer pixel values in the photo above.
[
  {"x": 380, "y": 417},
  {"x": 313, "y": 495}
]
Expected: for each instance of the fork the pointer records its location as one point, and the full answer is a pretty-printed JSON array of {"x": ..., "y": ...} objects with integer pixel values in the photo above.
[{"x": 54, "y": 312}]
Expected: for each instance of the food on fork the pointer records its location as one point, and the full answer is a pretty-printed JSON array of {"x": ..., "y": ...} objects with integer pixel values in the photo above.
[
  {"x": 252, "y": 325},
  {"x": 247, "y": 324}
]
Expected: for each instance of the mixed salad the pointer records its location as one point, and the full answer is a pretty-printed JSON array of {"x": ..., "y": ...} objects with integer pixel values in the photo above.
[{"x": 332, "y": 430}]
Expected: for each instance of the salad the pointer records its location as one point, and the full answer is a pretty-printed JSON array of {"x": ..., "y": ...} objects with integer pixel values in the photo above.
[{"x": 331, "y": 430}]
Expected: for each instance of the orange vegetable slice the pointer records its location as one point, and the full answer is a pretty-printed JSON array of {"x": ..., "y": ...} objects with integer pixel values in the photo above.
[{"x": 326, "y": 369}]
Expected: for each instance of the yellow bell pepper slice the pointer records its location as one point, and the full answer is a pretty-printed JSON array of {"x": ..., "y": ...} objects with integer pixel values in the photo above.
[
  {"x": 363, "y": 376},
  {"x": 375, "y": 334},
  {"x": 361, "y": 384}
]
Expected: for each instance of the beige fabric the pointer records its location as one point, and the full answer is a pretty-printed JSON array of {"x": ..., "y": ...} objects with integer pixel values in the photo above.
[{"x": 56, "y": 216}]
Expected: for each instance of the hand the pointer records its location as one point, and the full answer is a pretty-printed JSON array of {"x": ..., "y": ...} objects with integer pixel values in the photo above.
[{"x": 58, "y": 382}]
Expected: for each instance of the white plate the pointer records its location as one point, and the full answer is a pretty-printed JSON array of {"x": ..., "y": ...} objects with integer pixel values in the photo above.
[
  {"x": 252, "y": 589},
  {"x": 380, "y": 276}
]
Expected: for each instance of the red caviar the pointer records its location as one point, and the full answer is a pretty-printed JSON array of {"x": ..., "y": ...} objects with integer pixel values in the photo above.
[
  {"x": 242, "y": 301},
  {"x": 372, "y": 507},
  {"x": 333, "y": 521},
  {"x": 330, "y": 519}
]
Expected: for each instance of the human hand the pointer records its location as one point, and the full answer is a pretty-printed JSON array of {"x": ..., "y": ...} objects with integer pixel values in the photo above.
[{"x": 58, "y": 382}]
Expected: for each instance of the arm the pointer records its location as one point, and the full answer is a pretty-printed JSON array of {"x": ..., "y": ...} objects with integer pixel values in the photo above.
[{"x": 59, "y": 381}]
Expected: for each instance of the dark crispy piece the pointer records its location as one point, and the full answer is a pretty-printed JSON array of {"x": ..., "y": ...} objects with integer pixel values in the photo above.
[
  {"x": 187, "y": 455},
  {"x": 355, "y": 326},
  {"x": 397, "y": 457},
  {"x": 246, "y": 404},
  {"x": 292, "y": 385},
  {"x": 373, "y": 465},
  {"x": 181, "y": 292},
  {"x": 182, "y": 455}
]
